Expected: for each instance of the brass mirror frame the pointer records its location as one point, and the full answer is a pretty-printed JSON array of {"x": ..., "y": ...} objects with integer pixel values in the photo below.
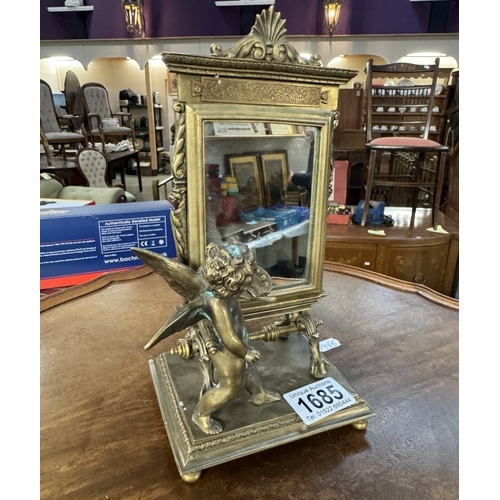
[{"x": 261, "y": 79}]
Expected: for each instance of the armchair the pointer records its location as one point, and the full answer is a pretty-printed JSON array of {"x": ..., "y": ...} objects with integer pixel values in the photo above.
[
  {"x": 98, "y": 113},
  {"x": 92, "y": 166},
  {"x": 51, "y": 132},
  {"x": 52, "y": 187}
]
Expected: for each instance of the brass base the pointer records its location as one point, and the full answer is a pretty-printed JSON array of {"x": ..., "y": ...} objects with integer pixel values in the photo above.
[{"x": 247, "y": 429}]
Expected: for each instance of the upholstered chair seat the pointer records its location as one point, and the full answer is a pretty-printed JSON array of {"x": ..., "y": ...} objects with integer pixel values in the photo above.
[
  {"x": 63, "y": 137},
  {"x": 404, "y": 142}
]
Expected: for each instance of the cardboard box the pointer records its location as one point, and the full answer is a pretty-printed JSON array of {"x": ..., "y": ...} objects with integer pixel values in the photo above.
[
  {"x": 339, "y": 181},
  {"x": 342, "y": 219},
  {"x": 52, "y": 203},
  {"x": 78, "y": 244}
]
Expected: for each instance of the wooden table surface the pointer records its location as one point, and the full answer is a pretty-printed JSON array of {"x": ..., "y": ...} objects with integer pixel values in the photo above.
[
  {"x": 119, "y": 160},
  {"x": 101, "y": 431},
  {"x": 65, "y": 170},
  {"x": 401, "y": 233}
]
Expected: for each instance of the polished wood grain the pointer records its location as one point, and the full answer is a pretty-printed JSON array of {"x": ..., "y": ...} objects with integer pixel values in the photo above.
[
  {"x": 119, "y": 161},
  {"x": 64, "y": 169},
  {"x": 102, "y": 436},
  {"x": 407, "y": 252}
]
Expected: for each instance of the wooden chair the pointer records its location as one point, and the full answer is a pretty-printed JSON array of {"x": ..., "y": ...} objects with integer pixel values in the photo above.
[
  {"x": 92, "y": 166},
  {"x": 51, "y": 131},
  {"x": 403, "y": 126},
  {"x": 164, "y": 185},
  {"x": 98, "y": 114}
]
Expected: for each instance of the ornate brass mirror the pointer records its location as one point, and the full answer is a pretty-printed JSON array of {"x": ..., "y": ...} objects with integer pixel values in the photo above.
[{"x": 251, "y": 121}]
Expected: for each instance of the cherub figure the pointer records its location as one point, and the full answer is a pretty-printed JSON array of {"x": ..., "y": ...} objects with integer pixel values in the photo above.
[{"x": 212, "y": 292}]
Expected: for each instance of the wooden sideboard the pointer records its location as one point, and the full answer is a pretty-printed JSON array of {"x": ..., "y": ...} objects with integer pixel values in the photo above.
[{"x": 409, "y": 253}]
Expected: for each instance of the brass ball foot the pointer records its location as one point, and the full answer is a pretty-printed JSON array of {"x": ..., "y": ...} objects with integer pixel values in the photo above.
[
  {"x": 192, "y": 477},
  {"x": 360, "y": 425}
]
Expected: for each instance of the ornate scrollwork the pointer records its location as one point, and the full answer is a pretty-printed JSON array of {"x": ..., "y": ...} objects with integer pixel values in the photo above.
[
  {"x": 178, "y": 194},
  {"x": 277, "y": 93},
  {"x": 309, "y": 328},
  {"x": 266, "y": 42}
]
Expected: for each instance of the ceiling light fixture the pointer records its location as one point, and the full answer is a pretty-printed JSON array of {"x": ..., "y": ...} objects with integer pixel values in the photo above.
[
  {"x": 134, "y": 15},
  {"x": 332, "y": 14}
]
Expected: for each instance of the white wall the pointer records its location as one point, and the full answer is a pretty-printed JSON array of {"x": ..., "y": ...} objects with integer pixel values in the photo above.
[
  {"x": 389, "y": 47},
  {"x": 105, "y": 61}
]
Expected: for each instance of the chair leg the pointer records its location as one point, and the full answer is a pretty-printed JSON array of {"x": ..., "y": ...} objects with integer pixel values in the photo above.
[
  {"x": 439, "y": 188},
  {"x": 369, "y": 184},
  {"x": 133, "y": 139},
  {"x": 48, "y": 155},
  {"x": 420, "y": 164},
  {"x": 156, "y": 190}
]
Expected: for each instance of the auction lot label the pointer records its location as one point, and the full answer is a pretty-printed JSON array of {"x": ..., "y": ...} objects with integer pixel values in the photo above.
[
  {"x": 326, "y": 345},
  {"x": 317, "y": 400}
]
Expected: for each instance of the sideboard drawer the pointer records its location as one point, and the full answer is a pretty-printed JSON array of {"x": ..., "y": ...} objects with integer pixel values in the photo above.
[
  {"x": 357, "y": 255},
  {"x": 425, "y": 265}
]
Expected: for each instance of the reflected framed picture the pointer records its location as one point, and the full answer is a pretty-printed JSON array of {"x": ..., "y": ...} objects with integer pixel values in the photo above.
[
  {"x": 172, "y": 83},
  {"x": 275, "y": 175},
  {"x": 245, "y": 168}
]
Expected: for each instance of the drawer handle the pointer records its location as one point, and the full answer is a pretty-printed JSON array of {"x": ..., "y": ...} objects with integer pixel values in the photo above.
[{"x": 420, "y": 279}]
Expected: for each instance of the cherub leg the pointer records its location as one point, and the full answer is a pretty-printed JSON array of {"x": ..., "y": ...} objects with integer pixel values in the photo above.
[
  {"x": 231, "y": 371},
  {"x": 253, "y": 385}
]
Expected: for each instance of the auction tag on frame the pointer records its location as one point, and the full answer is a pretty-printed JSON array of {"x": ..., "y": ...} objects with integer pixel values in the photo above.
[
  {"x": 317, "y": 400},
  {"x": 326, "y": 345}
]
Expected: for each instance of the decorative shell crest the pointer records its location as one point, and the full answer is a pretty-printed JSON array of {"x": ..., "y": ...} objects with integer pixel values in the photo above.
[{"x": 266, "y": 42}]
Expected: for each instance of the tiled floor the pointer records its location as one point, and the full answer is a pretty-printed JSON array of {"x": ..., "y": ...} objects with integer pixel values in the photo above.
[{"x": 132, "y": 185}]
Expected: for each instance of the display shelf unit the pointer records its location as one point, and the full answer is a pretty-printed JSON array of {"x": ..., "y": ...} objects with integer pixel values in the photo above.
[
  {"x": 408, "y": 116},
  {"x": 242, "y": 3},
  {"x": 152, "y": 133},
  {"x": 135, "y": 109},
  {"x": 82, "y": 8},
  {"x": 79, "y": 18}
]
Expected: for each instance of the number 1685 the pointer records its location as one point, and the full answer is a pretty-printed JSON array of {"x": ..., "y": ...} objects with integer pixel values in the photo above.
[{"x": 321, "y": 398}]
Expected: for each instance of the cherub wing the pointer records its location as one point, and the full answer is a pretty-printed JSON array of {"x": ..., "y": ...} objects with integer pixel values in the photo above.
[
  {"x": 181, "y": 278},
  {"x": 187, "y": 315}
]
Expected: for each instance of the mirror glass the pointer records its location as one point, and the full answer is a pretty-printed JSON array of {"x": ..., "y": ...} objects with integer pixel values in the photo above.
[{"x": 258, "y": 191}]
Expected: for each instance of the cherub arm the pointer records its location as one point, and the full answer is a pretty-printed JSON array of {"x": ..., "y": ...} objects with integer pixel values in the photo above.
[{"x": 228, "y": 321}]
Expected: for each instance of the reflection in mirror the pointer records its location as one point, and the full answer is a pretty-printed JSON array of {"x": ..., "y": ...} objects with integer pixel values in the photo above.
[{"x": 258, "y": 191}]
